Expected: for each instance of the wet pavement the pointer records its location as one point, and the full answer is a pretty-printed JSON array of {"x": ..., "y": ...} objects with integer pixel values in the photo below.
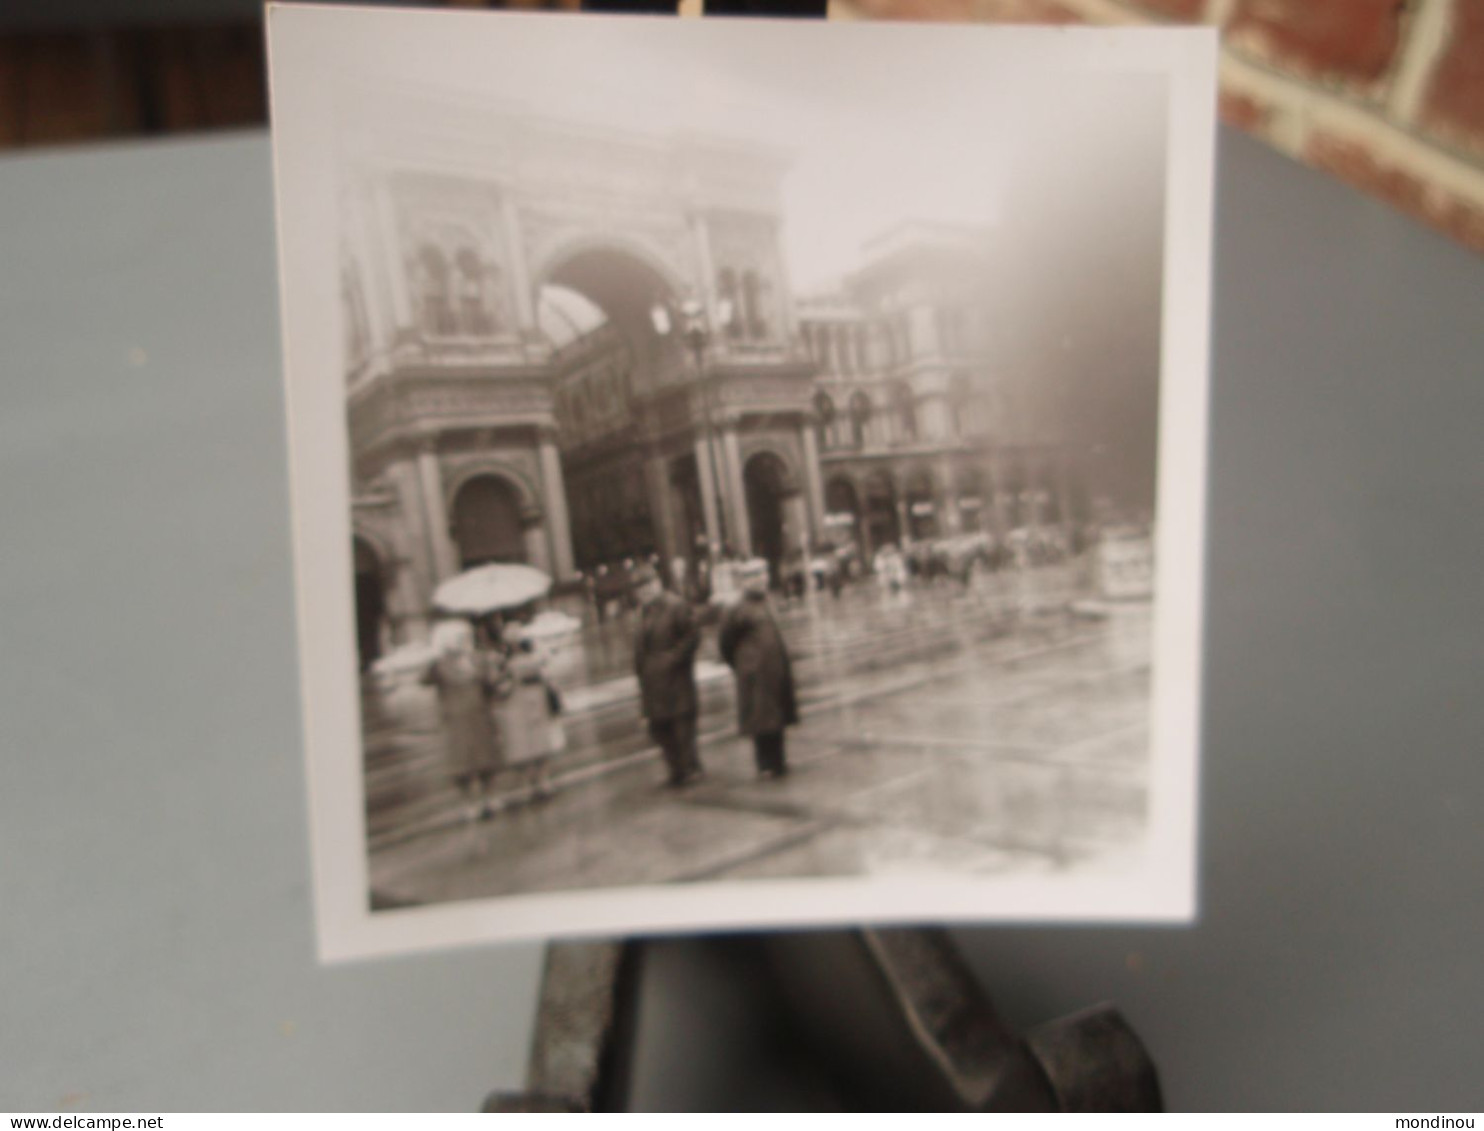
[{"x": 979, "y": 732}]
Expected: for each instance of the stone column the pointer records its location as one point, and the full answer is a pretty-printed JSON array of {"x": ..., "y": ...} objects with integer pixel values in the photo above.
[
  {"x": 536, "y": 550},
  {"x": 661, "y": 509},
  {"x": 904, "y": 521},
  {"x": 520, "y": 273},
  {"x": 554, "y": 500},
  {"x": 737, "y": 523},
  {"x": 796, "y": 524},
  {"x": 412, "y": 567},
  {"x": 679, "y": 514},
  {"x": 813, "y": 485},
  {"x": 708, "y": 493},
  {"x": 444, "y": 554}
]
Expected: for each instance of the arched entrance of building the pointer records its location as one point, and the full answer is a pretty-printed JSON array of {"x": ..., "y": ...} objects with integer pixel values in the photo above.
[
  {"x": 486, "y": 522},
  {"x": 613, "y": 360},
  {"x": 765, "y": 478},
  {"x": 842, "y": 519},
  {"x": 882, "y": 526},
  {"x": 370, "y": 601}
]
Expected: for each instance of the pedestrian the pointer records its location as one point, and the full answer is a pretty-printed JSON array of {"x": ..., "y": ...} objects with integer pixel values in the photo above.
[
  {"x": 468, "y": 682},
  {"x": 665, "y": 643},
  {"x": 600, "y": 587},
  {"x": 753, "y": 647},
  {"x": 529, "y": 722}
]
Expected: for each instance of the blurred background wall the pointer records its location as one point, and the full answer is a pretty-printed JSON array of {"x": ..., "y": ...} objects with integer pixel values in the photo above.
[{"x": 1385, "y": 94}]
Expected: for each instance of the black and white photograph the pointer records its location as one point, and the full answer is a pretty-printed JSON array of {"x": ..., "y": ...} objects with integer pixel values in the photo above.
[{"x": 744, "y": 474}]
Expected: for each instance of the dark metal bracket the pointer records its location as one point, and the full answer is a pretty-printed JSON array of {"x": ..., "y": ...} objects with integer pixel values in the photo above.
[{"x": 895, "y": 1015}]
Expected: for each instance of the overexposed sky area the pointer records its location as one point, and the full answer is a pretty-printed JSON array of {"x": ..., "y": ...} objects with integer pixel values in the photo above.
[{"x": 883, "y": 122}]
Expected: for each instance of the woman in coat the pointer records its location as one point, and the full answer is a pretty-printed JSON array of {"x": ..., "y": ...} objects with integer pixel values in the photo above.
[
  {"x": 467, "y": 682},
  {"x": 753, "y": 648},
  {"x": 531, "y": 732}
]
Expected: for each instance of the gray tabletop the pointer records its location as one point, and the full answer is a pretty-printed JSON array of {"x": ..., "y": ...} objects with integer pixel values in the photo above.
[{"x": 156, "y": 949}]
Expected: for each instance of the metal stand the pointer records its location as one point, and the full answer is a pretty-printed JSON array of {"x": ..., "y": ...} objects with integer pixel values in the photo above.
[{"x": 893, "y": 1016}]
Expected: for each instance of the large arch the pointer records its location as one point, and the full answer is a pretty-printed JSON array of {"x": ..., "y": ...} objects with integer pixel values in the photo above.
[
  {"x": 626, "y": 279},
  {"x": 488, "y": 521},
  {"x": 578, "y": 246},
  {"x": 767, "y": 484},
  {"x": 463, "y": 470},
  {"x": 626, "y": 282}
]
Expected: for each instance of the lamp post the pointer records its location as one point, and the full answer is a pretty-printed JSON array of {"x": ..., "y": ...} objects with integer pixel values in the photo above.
[{"x": 695, "y": 331}]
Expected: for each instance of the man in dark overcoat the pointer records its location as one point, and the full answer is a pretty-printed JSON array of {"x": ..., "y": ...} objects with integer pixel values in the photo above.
[
  {"x": 665, "y": 644},
  {"x": 753, "y": 647}
]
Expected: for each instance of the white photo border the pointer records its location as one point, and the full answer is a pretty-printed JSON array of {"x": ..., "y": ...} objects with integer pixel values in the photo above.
[{"x": 1164, "y": 890}]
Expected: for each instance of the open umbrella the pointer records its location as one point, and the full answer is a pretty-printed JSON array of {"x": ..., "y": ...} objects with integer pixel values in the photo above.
[
  {"x": 404, "y": 660},
  {"x": 490, "y": 588}
]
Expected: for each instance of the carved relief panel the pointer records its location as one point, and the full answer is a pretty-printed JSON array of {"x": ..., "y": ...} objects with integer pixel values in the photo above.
[{"x": 452, "y": 255}]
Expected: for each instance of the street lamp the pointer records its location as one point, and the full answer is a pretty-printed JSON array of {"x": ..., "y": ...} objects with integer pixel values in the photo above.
[{"x": 695, "y": 331}]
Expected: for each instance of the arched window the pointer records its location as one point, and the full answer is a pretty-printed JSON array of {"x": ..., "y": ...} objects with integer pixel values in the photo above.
[
  {"x": 860, "y": 416},
  {"x": 474, "y": 316},
  {"x": 904, "y": 405}
]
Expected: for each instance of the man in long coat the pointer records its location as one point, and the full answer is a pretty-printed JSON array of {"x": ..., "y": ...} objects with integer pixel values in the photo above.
[
  {"x": 665, "y": 644},
  {"x": 753, "y": 647}
]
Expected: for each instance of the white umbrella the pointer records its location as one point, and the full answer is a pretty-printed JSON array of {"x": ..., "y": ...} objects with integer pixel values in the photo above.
[
  {"x": 407, "y": 658},
  {"x": 490, "y": 588}
]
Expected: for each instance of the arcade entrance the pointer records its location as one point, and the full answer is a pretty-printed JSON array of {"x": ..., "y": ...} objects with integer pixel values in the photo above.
[{"x": 486, "y": 522}]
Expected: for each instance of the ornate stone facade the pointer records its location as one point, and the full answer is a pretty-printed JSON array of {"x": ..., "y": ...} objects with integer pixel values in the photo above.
[
  {"x": 491, "y": 422},
  {"x": 481, "y": 429},
  {"x": 918, "y": 428}
]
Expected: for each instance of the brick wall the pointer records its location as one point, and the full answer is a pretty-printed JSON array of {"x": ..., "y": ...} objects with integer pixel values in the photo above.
[
  {"x": 84, "y": 86},
  {"x": 1386, "y": 94}
]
